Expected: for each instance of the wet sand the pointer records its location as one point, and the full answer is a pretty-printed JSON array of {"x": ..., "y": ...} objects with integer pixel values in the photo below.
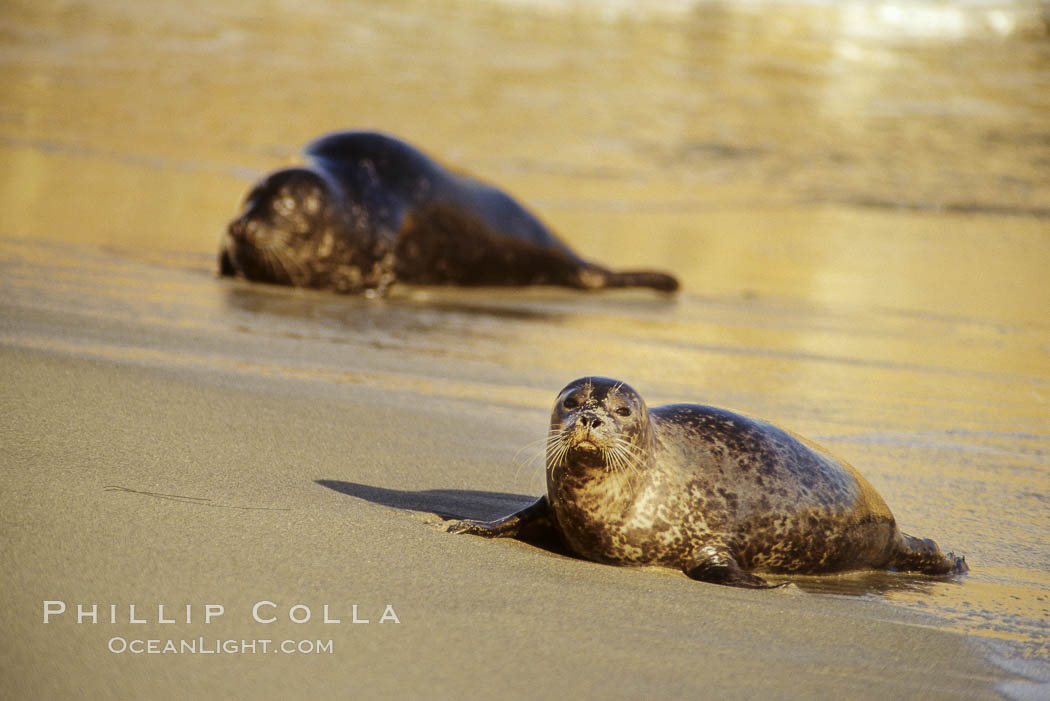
[{"x": 854, "y": 198}]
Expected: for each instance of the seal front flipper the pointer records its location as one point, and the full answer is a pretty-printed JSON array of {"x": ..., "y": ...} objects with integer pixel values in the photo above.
[
  {"x": 530, "y": 523},
  {"x": 716, "y": 565}
]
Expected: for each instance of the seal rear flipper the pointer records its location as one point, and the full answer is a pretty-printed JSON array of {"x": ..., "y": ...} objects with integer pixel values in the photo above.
[
  {"x": 718, "y": 566},
  {"x": 922, "y": 555},
  {"x": 661, "y": 282},
  {"x": 959, "y": 565}
]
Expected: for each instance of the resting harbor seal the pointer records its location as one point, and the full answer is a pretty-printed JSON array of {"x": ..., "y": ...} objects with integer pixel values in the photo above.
[
  {"x": 715, "y": 494},
  {"x": 370, "y": 210}
]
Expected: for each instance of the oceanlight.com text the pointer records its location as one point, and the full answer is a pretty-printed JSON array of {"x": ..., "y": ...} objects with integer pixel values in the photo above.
[{"x": 215, "y": 646}]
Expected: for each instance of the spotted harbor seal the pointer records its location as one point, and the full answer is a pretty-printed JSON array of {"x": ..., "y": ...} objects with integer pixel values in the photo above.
[
  {"x": 713, "y": 493},
  {"x": 370, "y": 210}
]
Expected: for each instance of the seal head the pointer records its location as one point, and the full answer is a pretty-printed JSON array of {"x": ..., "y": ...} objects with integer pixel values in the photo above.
[
  {"x": 292, "y": 231},
  {"x": 598, "y": 424},
  {"x": 599, "y": 459}
]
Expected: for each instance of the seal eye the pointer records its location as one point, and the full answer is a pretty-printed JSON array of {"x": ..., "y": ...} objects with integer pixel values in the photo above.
[
  {"x": 571, "y": 403},
  {"x": 623, "y": 411},
  {"x": 284, "y": 205}
]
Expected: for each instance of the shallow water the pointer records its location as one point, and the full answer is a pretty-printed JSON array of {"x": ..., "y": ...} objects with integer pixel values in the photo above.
[{"x": 856, "y": 197}]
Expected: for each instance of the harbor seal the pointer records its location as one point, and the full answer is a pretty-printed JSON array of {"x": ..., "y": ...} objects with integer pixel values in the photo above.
[
  {"x": 370, "y": 210},
  {"x": 718, "y": 495}
]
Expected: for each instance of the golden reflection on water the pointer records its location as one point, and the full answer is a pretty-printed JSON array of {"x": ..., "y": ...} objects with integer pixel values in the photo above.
[{"x": 854, "y": 194}]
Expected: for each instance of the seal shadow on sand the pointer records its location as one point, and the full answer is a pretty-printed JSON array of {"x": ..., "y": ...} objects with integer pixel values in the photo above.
[
  {"x": 466, "y": 504},
  {"x": 451, "y": 505}
]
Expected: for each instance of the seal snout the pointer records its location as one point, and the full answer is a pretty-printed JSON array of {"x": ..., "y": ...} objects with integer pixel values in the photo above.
[
  {"x": 589, "y": 420},
  {"x": 584, "y": 432}
]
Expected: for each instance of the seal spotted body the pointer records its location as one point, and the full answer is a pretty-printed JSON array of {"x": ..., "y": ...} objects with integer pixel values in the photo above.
[
  {"x": 713, "y": 493},
  {"x": 370, "y": 210}
]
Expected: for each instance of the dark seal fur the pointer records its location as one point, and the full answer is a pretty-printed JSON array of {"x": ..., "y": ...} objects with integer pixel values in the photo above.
[
  {"x": 370, "y": 210},
  {"x": 718, "y": 495}
]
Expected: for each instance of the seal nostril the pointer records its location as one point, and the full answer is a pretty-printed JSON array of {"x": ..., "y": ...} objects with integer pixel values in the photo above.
[{"x": 589, "y": 420}]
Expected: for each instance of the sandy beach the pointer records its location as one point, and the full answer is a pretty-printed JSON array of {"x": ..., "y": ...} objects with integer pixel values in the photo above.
[
  {"x": 161, "y": 451},
  {"x": 218, "y": 489},
  {"x": 183, "y": 486}
]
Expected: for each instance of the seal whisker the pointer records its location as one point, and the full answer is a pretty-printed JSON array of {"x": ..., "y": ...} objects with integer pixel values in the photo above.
[
  {"x": 273, "y": 263},
  {"x": 300, "y": 266},
  {"x": 627, "y": 462},
  {"x": 557, "y": 452},
  {"x": 293, "y": 268},
  {"x": 537, "y": 451},
  {"x": 630, "y": 455},
  {"x": 555, "y": 438},
  {"x": 616, "y": 460},
  {"x": 269, "y": 247},
  {"x": 533, "y": 446},
  {"x": 559, "y": 455},
  {"x": 277, "y": 266}
]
